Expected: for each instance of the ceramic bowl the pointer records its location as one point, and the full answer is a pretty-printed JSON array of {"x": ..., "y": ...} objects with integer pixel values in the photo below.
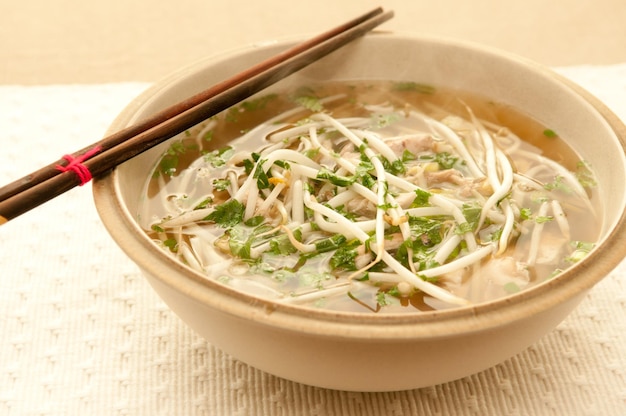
[{"x": 366, "y": 352}]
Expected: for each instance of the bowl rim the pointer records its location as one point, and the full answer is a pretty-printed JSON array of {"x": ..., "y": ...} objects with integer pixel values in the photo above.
[{"x": 442, "y": 323}]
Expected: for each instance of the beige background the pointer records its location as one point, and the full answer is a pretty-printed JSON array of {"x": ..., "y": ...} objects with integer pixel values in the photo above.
[{"x": 76, "y": 41}]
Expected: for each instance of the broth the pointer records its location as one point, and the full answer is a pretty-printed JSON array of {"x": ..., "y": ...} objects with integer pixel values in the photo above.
[{"x": 373, "y": 196}]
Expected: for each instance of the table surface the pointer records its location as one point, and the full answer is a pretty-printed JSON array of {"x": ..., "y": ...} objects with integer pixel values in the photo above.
[{"x": 83, "y": 333}]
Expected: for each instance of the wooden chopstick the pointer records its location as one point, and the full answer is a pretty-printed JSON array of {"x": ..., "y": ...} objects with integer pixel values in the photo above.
[{"x": 52, "y": 180}]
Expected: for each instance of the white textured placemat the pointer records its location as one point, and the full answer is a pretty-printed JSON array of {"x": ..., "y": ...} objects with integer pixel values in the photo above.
[{"x": 81, "y": 332}]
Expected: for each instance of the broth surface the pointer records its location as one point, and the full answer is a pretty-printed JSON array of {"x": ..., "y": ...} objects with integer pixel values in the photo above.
[{"x": 376, "y": 196}]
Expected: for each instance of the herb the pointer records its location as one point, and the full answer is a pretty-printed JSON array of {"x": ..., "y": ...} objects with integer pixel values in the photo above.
[
  {"x": 581, "y": 249},
  {"x": 381, "y": 299},
  {"x": 422, "y": 198},
  {"x": 445, "y": 160},
  {"x": 219, "y": 157},
  {"x": 262, "y": 180},
  {"x": 345, "y": 256},
  {"x": 511, "y": 287},
  {"x": 228, "y": 214},
  {"x": 282, "y": 246},
  {"x": 525, "y": 214},
  {"x": 204, "y": 203},
  {"x": 550, "y": 133},
  {"x": 157, "y": 228},
  {"x": 543, "y": 219},
  {"x": 241, "y": 238},
  {"x": 337, "y": 180},
  {"x": 585, "y": 175},
  {"x": 425, "y": 232},
  {"x": 258, "y": 103},
  {"x": 413, "y": 86},
  {"x": 558, "y": 184},
  {"x": 171, "y": 244},
  {"x": 306, "y": 97},
  {"x": 472, "y": 213},
  {"x": 168, "y": 164},
  {"x": 255, "y": 221},
  {"x": 383, "y": 120},
  {"x": 221, "y": 184}
]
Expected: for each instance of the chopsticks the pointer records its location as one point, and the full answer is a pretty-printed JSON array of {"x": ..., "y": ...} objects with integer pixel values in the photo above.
[{"x": 99, "y": 158}]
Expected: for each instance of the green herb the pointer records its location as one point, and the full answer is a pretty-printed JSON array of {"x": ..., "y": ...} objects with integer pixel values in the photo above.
[
  {"x": 445, "y": 160},
  {"x": 204, "y": 203},
  {"x": 525, "y": 214},
  {"x": 383, "y": 120},
  {"x": 337, "y": 180},
  {"x": 157, "y": 228},
  {"x": 168, "y": 164},
  {"x": 511, "y": 287},
  {"x": 172, "y": 244},
  {"x": 329, "y": 244},
  {"x": 258, "y": 103},
  {"x": 228, "y": 214},
  {"x": 345, "y": 256},
  {"x": 422, "y": 198},
  {"x": 543, "y": 219},
  {"x": 472, "y": 213},
  {"x": 581, "y": 249},
  {"x": 219, "y": 157},
  {"x": 262, "y": 180},
  {"x": 221, "y": 184},
  {"x": 585, "y": 175},
  {"x": 425, "y": 232},
  {"x": 550, "y": 133},
  {"x": 413, "y": 86},
  {"x": 306, "y": 97},
  {"x": 381, "y": 299},
  {"x": 558, "y": 184},
  {"x": 255, "y": 221}
]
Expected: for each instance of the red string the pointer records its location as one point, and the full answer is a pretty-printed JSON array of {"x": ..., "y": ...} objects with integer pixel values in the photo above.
[{"x": 75, "y": 164}]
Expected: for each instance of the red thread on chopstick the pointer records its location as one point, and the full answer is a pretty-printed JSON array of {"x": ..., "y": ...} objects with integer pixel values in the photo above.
[{"x": 75, "y": 164}]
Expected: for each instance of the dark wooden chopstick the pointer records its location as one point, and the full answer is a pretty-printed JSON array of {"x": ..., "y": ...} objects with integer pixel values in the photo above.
[
  {"x": 49, "y": 182},
  {"x": 113, "y": 140}
]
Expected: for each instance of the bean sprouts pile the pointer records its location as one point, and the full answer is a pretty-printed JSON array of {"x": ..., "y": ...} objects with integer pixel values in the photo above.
[{"x": 384, "y": 204}]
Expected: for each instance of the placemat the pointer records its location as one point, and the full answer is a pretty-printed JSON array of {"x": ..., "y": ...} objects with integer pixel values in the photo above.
[{"x": 82, "y": 333}]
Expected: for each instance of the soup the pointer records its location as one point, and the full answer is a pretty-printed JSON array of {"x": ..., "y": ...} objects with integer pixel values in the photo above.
[{"x": 382, "y": 197}]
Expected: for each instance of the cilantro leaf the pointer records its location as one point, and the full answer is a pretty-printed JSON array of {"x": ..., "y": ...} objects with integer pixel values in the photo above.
[{"x": 228, "y": 214}]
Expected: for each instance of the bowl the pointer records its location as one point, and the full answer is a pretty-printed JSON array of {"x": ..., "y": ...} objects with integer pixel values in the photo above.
[{"x": 367, "y": 352}]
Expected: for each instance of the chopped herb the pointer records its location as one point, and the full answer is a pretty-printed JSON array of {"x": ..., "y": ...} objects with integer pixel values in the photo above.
[
  {"x": 472, "y": 213},
  {"x": 525, "y": 214},
  {"x": 413, "y": 86},
  {"x": 445, "y": 160},
  {"x": 335, "y": 179},
  {"x": 219, "y": 157},
  {"x": 550, "y": 133},
  {"x": 262, "y": 180},
  {"x": 168, "y": 164},
  {"x": 221, "y": 184},
  {"x": 258, "y": 103},
  {"x": 585, "y": 175},
  {"x": 422, "y": 199},
  {"x": 306, "y": 98},
  {"x": 558, "y": 184},
  {"x": 204, "y": 203},
  {"x": 345, "y": 256},
  {"x": 172, "y": 244},
  {"x": 228, "y": 214},
  {"x": 543, "y": 219}
]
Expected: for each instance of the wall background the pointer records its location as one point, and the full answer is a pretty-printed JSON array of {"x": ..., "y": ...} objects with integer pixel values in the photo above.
[{"x": 72, "y": 41}]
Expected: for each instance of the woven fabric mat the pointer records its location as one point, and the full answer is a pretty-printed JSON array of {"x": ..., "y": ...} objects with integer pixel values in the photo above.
[{"x": 82, "y": 333}]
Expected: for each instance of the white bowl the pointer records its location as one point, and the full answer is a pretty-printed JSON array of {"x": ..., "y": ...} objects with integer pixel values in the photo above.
[{"x": 366, "y": 352}]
